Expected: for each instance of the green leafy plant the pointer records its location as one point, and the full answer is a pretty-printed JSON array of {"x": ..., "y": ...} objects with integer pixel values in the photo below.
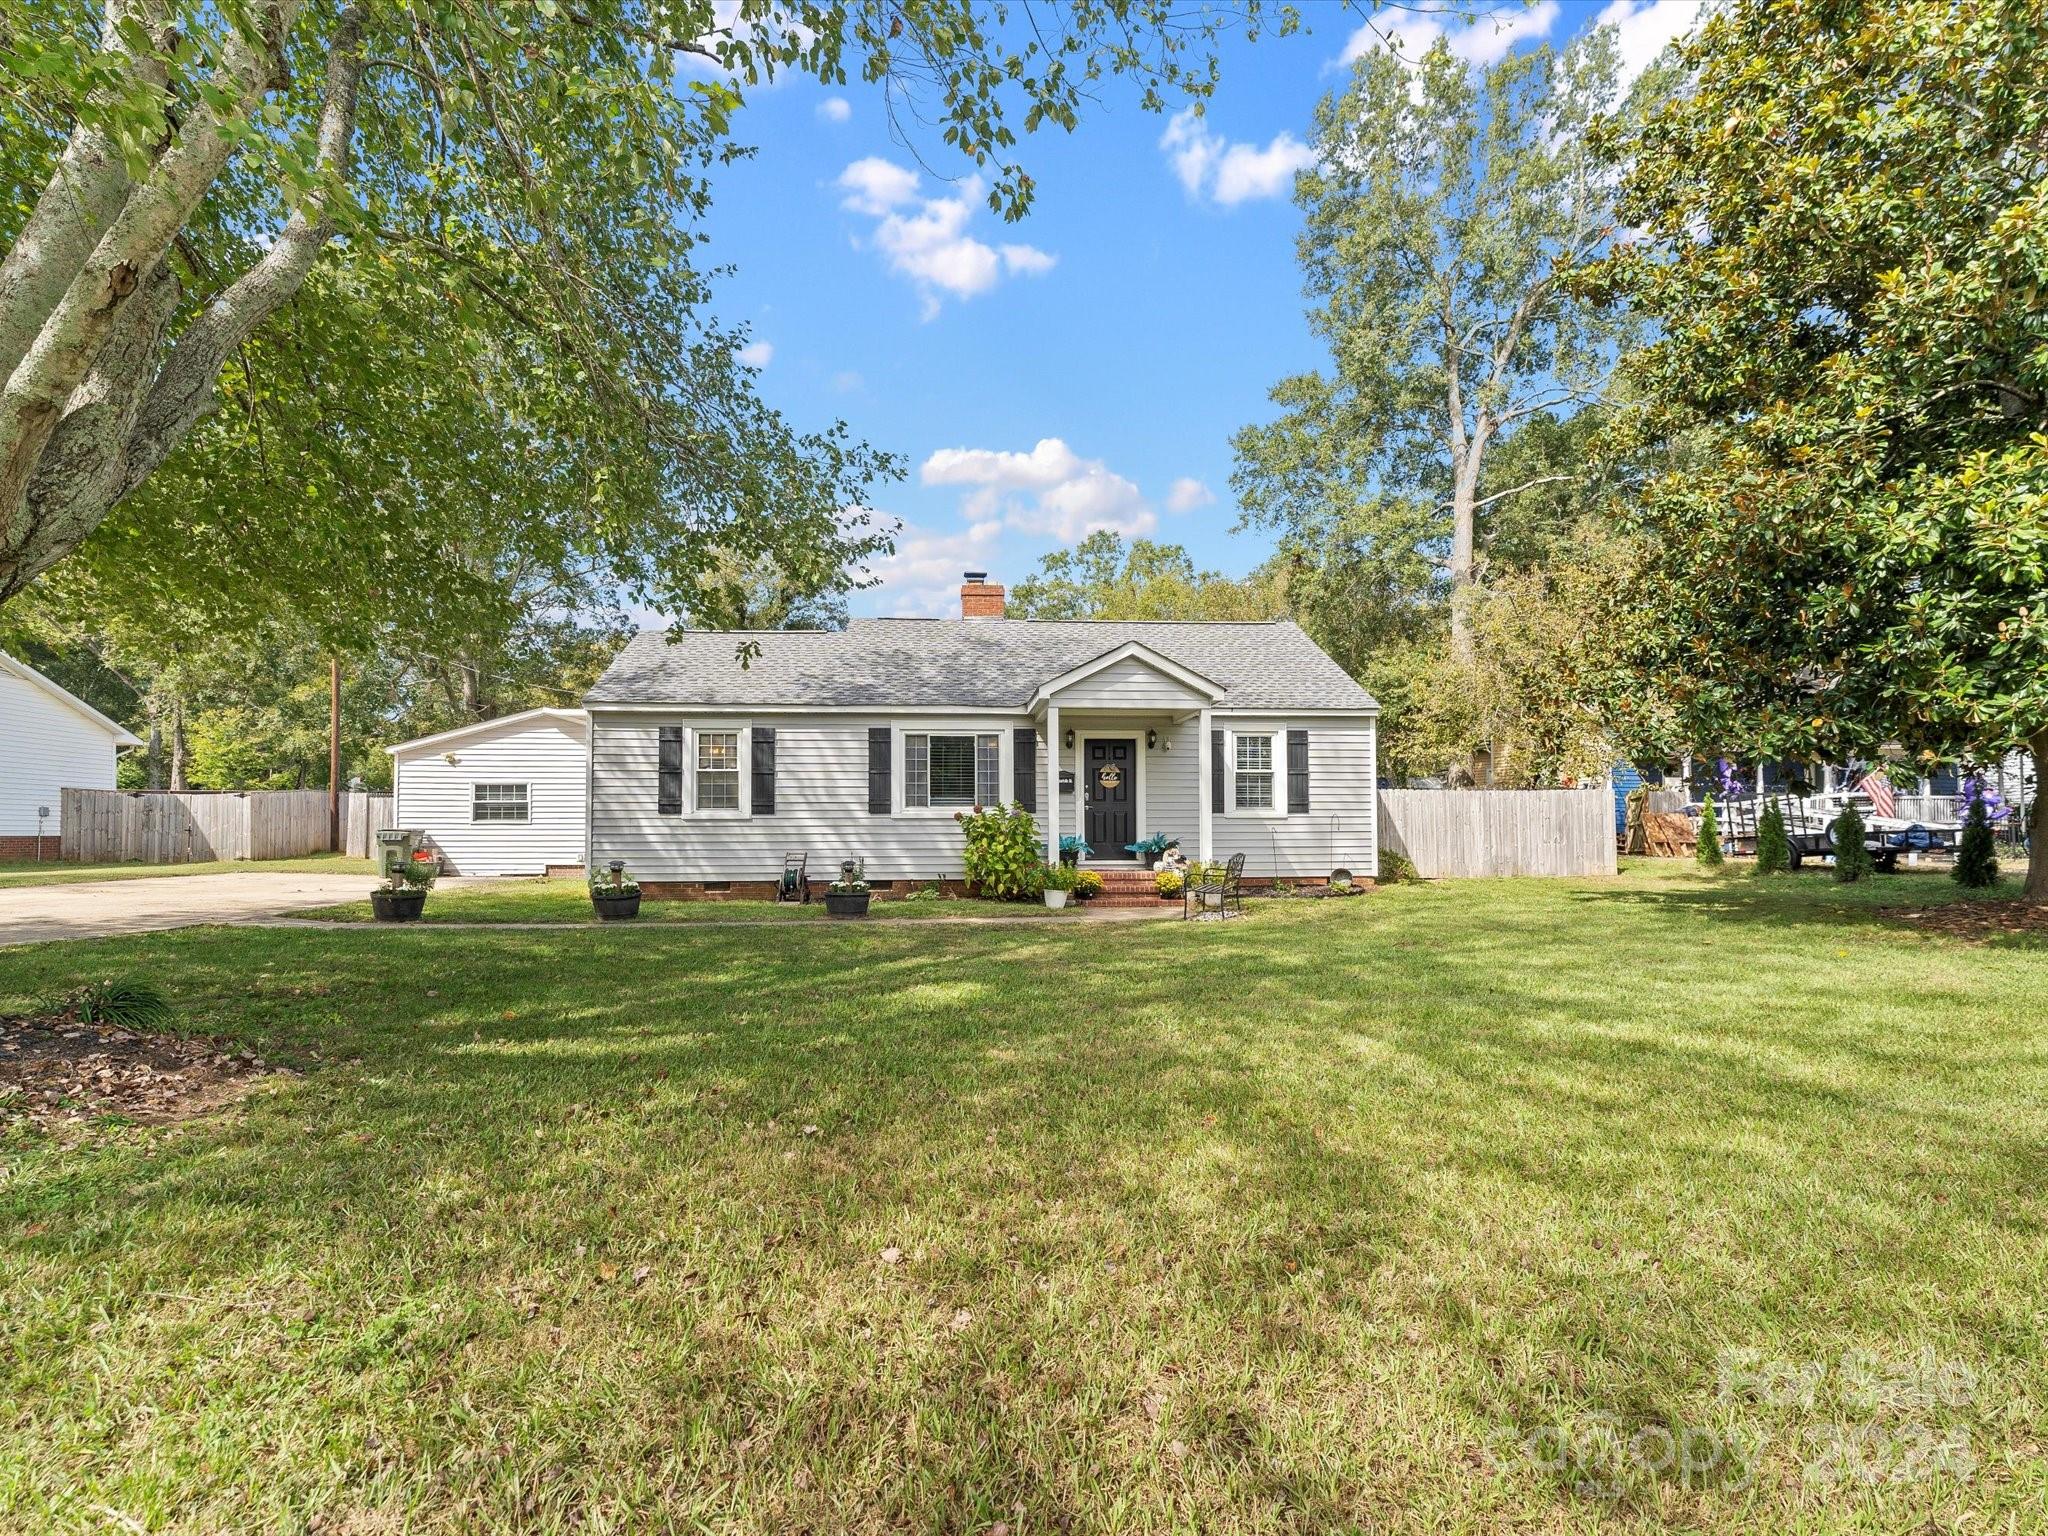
[
  {"x": 1396, "y": 868},
  {"x": 1709, "y": 850},
  {"x": 1773, "y": 849},
  {"x": 1088, "y": 883},
  {"x": 610, "y": 882},
  {"x": 1977, "y": 851},
  {"x": 123, "y": 1004},
  {"x": 1005, "y": 856},
  {"x": 1169, "y": 882},
  {"x": 926, "y": 893},
  {"x": 853, "y": 878},
  {"x": 1852, "y": 859},
  {"x": 1060, "y": 877},
  {"x": 413, "y": 875}
]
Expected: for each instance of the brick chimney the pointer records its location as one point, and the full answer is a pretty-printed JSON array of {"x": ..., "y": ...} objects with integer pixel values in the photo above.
[{"x": 978, "y": 598}]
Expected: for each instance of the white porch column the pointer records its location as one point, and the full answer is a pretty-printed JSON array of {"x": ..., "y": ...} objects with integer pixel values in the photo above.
[
  {"x": 1206, "y": 815},
  {"x": 1052, "y": 783}
]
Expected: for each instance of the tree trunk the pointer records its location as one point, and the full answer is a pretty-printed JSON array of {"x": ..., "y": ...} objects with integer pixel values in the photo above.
[
  {"x": 1464, "y": 561},
  {"x": 2037, "y": 822},
  {"x": 178, "y": 744}
]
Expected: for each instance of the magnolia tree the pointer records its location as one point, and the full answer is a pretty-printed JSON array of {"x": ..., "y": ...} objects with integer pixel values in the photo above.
[
  {"x": 338, "y": 205},
  {"x": 1845, "y": 236}
]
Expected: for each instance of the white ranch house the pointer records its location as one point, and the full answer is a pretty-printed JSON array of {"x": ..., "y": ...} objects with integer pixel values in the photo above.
[
  {"x": 50, "y": 741},
  {"x": 703, "y": 773}
]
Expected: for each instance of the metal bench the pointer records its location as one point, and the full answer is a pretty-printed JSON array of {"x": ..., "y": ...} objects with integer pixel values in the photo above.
[{"x": 1227, "y": 890}]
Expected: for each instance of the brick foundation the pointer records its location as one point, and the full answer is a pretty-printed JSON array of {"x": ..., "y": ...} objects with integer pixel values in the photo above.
[
  {"x": 1122, "y": 888},
  {"x": 25, "y": 847}
]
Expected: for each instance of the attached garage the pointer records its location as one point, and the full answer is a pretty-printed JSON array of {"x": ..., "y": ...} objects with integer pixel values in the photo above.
[{"x": 504, "y": 797}]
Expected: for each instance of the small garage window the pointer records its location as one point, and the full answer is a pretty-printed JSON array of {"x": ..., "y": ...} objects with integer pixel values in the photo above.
[{"x": 498, "y": 802}]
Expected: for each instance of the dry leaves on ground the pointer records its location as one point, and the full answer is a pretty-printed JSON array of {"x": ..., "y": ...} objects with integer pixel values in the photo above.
[
  {"x": 1972, "y": 921},
  {"x": 60, "y": 1075}
]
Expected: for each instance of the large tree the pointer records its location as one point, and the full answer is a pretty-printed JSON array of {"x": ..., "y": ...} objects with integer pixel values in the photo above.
[
  {"x": 1445, "y": 216},
  {"x": 1102, "y": 577},
  {"x": 1845, "y": 236},
  {"x": 179, "y": 172}
]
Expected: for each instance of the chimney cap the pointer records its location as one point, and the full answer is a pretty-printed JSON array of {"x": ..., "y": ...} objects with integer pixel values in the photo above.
[{"x": 974, "y": 575}]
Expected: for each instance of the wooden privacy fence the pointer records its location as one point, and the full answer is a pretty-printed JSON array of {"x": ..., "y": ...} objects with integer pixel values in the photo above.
[
  {"x": 113, "y": 826},
  {"x": 1463, "y": 833}
]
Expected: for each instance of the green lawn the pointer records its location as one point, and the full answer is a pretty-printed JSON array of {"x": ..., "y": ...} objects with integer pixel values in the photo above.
[
  {"x": 1342, "y": 1218},
  {"x": 568, "y": 901},
  {"x": 54, "y": 872}
]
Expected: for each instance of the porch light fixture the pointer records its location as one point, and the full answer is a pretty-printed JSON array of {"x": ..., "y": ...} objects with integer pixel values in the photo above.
[
  {"x": 1070, "y": 739},
  {"x": 1151, "y": 740}
]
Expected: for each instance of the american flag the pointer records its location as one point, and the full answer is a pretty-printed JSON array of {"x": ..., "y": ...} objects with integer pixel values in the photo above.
[{"x": 1884, "y": 800}]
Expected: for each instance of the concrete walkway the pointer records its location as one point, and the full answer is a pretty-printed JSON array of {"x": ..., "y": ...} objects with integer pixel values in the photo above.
[{"x": 96, "y": 909}]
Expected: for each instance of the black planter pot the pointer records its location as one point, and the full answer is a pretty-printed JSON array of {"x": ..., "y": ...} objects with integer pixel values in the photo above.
[
  {"x": 613, "y": 909},
  {"x": 846, "y": 903},
  {"x": 398, "y": 906}
]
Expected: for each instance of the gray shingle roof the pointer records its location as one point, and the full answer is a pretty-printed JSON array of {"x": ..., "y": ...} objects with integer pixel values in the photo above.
[{"x": 964, "y": 664}]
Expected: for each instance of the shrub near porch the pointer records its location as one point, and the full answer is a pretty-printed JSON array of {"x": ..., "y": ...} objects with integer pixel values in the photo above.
[{"x": 1319, "y": 1221}]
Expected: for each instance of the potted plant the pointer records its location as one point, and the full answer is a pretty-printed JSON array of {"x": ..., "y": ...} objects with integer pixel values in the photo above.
[
  {"x": 1168, "y": 883},
  {"x": 1150, "y": 850},
  {"x": 848, "y": 895},
  {"x": 403, "y": 895},
  {"x": 1059, "y": 881},
  {"x": 1088, "y": 884},
  {"x": 1074, "y": 849},
  {"x": 614, "y": 893}
]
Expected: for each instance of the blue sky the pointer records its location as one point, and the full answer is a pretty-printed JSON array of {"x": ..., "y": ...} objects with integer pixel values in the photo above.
[{"x": 1086, "y": 367}]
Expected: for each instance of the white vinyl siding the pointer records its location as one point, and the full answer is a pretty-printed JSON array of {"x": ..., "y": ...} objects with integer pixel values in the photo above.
[
  {"x": 441, "y": 797},
  {"x": 1130, "y": 684},
  {"x": 45, "y": 746}
]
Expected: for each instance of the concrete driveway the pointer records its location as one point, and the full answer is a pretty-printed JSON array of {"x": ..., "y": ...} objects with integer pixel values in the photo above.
[{"x": 35, "y": 914}]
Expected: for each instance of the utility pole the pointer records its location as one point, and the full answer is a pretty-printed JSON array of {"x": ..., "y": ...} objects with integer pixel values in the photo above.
[{"x": 334, "y": 753}]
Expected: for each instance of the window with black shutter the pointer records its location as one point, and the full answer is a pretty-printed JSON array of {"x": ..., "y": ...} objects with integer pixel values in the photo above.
[
  {"x": 880, "y": 798},
  {"x": 1216, "y": 772},
  {"x": 1024, "y": 766},
  {"x": 1297, "y": 773},
  {"x": 670, "y": 771},
  {"x": 764, "y": 770}
]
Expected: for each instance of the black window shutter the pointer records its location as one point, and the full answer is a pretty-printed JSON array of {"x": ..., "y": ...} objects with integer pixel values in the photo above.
[
  {"x": 879, "y": 796},
  {"x": 1297, "y": 773},
  {"x": 671, "y": 771},
  {"x": 764, "y": 770},
  {"x": 1024, "y": 766},
  {"x": 1216, "y": 772}
]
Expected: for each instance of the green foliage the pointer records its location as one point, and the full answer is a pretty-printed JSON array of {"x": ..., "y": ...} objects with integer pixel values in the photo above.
[
  {"x": 1773, "y": 849},
  {"x": 1168, "y": 882},
  {"x": 1060, "y": 877},
  {"x": 603, "y": 882},
  {"x": 1708, "y": 851},
  {"x": 1004, "y": 853},
  {"x": 132, "y": 1005},
  {"x": 1396, "y": 868},
  {"x": 852, "y": 879},
  {"x": 1102, "y": 578},
  {"x": 1844, "y": 236},
  {"x": 1976, "y": 864},
  {"x": 1852, "y": 857},
  {"x": 413, "y": 875}
]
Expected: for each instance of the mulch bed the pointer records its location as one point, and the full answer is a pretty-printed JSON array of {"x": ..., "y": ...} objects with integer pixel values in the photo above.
[
  {"x": 1972, "y": 921},
  {"x": 62, "y": 1076}
]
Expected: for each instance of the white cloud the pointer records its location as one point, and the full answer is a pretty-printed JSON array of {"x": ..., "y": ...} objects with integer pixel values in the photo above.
[
  {"x": 1188, "y": 493},
  {"x": 757, "y": 354},
  {"x": 1229, "y": 174},
  {"x": 848, "y": 381},
  {"x": 1644, "y": 28},
  {"x": 926, "y": 239},
  {"x": 922, "y": 578},
  {"x": 1481, "y": 42},
  {"x": 835, "y": 109},
  {"x": 1051, "y": 490}
]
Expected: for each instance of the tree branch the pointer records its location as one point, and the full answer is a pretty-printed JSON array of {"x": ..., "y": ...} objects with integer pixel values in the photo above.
[{"x": 1526, "y": 485}]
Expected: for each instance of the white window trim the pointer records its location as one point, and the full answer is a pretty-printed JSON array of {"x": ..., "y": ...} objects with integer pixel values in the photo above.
[
  {"x": 499, "y": 821},
  {"x": 744, "y": 730},
  {"x": 1277, "y": 811},
  {"x": 899, "y": 775}
]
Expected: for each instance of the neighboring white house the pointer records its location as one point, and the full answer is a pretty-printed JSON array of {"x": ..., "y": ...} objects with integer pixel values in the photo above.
[
  {"x": 865, "y": 742},
  {"x": 504, "y": 797},
  {"x": 49, "y": 741}
]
